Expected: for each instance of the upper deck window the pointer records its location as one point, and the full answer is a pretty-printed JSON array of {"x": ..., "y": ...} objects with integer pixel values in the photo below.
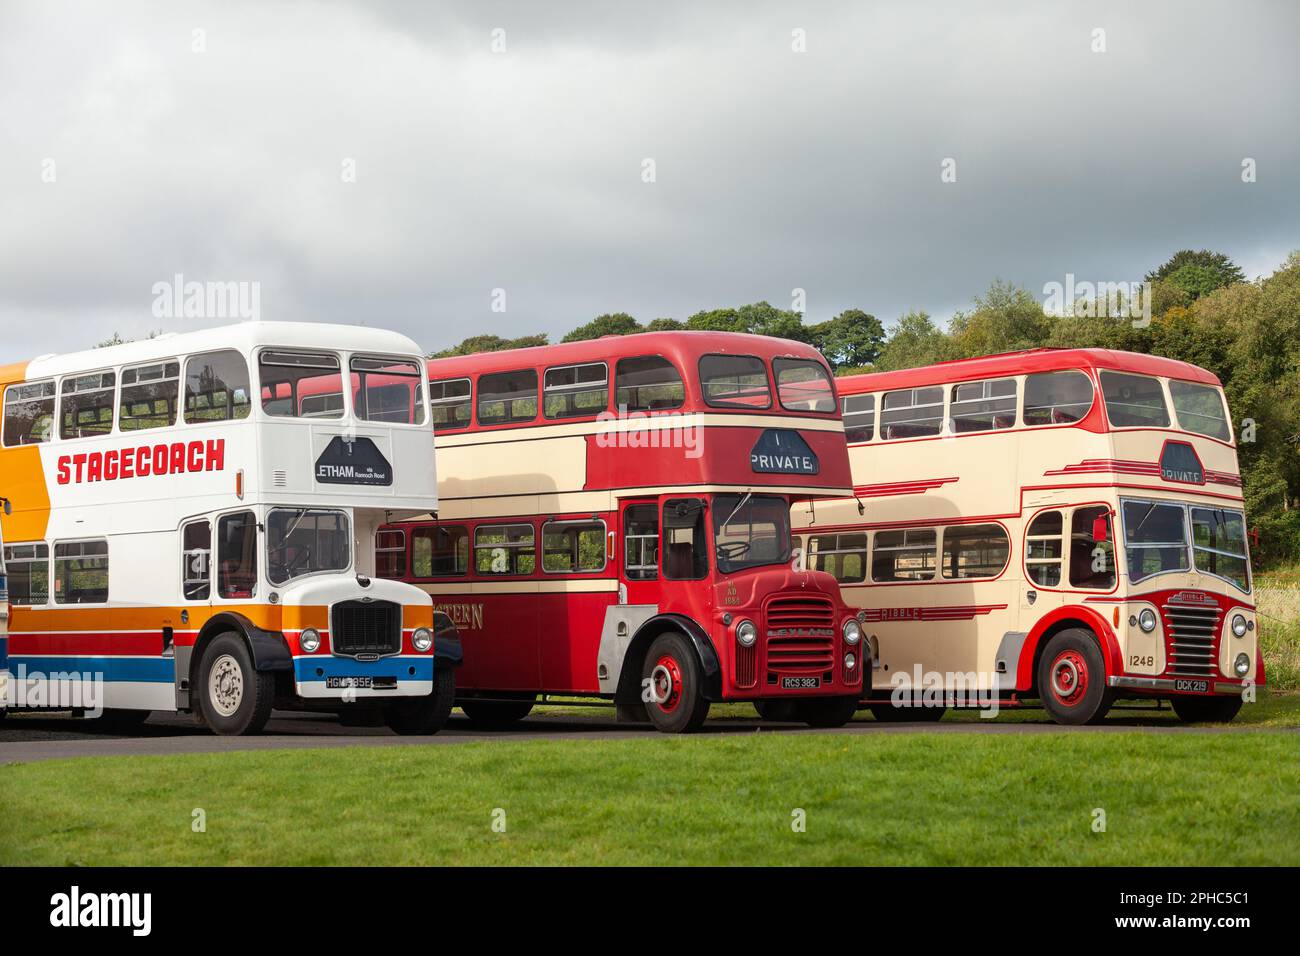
[
  {"x": 859, "y": 417},
  {"x": 735, "y": 381},
  {"x": 507, "y": 397},
  {"x": 803, "y": 385},
  {"x": 29, "y": 413},
  {"x": 387, "y": 390},
  {"x": 1057, "y": 398},
  {"x": 647, "y": 383},
  {"x": 983, "y": 406},
  {"x": 912, "y": 412},
  {"x": 299, "y": 384},
  {"x": 1134, "y": 401},
  {"x": 1200, "y": 409},
  {"x": 87, "y": 405},
  {"x": 450, "y": 401},
  {"x": 572, "y": 391},
  {"x": 216, "y": 387},
  {"x": 150, "y": 394}
]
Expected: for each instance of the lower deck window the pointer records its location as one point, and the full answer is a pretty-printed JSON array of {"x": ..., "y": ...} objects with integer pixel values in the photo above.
[
  {"x": 843, "y": 556},
  {"x": 81, "y": 572},
  {"x": 505, "y": 549},
  {"x": 907, "y": 555},
  {"x": 440, "y": 552},
  {"x": 573, "y": 547},
  {"x": 29, "y": 573}
]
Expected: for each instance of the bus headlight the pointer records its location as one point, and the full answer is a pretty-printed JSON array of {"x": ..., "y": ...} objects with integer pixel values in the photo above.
[
  {"x": 309, "y": 640},
  {"x": 422, "y": 638},
  {"x": 1242, "y": 665},
  {"x": 1147, "y": 620},
  {"x": 746, "y": 633},
  {"x": 1239, "y": 625},
  {"x": 852, "y": 632}
]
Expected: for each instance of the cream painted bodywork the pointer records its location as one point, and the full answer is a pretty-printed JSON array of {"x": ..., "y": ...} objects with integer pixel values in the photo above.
[{"x": 1006, "y": 477}]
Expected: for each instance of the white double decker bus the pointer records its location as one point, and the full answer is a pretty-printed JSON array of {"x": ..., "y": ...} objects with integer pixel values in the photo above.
[{"x": 192, "y": 528}]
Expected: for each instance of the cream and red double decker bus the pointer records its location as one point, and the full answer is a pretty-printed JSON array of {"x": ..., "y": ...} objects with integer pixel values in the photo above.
[
  {"x": 1066, "y": 525},
  {"x": 193, "y": 523},
  {"x": 615, "y": 522}
]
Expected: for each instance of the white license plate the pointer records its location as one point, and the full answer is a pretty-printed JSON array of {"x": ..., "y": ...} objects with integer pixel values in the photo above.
[
  {"x": 1195, "y": 686},
  {"x": 342, "y": 682},
  {"x": 800, "y": 683}
]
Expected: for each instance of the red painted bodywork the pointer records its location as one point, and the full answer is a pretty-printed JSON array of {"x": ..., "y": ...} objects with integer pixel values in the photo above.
[{"x": 548, "y": 641}]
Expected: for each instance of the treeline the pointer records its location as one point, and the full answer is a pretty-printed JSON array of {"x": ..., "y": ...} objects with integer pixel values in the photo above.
[{"x": 1202, "y": 309}]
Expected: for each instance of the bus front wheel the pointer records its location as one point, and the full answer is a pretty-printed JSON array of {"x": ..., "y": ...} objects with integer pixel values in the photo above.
[
  {"x": 235, "y": 697},
  {"x": 1072, "y": 679},
  {"x": 1206, "y": 710},
  {"x": 672, "y": 683},
  {"x": 422, "y": 716},
  {"x": 495, "y": 714}
]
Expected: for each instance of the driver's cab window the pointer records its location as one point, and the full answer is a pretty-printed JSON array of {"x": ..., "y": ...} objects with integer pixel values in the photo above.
[
  {"x": 237, "y": 556},
  {"x": 686, "y": 546},
  {"x": 1092, "y": 548}
]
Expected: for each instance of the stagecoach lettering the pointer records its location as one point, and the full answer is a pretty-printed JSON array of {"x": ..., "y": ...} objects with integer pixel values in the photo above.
[{"x": 164, "y": 459}]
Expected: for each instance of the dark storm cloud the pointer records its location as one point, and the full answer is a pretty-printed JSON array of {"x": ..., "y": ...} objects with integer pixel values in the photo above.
[{"x": 475, "y": 171}]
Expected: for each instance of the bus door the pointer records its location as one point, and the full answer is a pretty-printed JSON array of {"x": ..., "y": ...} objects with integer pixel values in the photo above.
[{"x": 638, "y": 581}]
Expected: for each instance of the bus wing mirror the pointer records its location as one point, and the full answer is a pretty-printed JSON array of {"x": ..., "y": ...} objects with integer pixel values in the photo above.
[
  {"x": 1100, "y": 530},
  {"x": 9, "y": 509}
]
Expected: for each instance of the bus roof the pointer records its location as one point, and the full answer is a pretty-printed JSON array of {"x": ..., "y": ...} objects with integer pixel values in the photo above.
[
  {"x": 683, "y": 346},
  {"x": 243, "y": 336},
  {"x": 1030, "y": 361}
]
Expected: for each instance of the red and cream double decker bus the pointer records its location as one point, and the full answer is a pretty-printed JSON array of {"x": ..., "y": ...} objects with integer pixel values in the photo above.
[
  {"x": 1066, "y": 525},
  {"x": 615, "y": 521},
  {"x": 193, "y": 527}
]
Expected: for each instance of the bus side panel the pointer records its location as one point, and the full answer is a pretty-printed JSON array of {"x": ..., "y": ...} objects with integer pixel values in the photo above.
[{"x": 570, "y": 623}]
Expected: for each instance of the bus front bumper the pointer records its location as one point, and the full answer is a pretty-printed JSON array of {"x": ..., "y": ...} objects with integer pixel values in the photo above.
[{"x": 1176, "y": 685}]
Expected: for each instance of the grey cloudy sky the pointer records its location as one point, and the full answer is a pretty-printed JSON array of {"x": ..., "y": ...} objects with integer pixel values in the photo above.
[{"x": 522, "y": 170}]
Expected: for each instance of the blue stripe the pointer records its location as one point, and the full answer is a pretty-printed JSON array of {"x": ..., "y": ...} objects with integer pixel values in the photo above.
[
  {"x": 150, "y": 670},
  {"x": 305, "y": 668}
]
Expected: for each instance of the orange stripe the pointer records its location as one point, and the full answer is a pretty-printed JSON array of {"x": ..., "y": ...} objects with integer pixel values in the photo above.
[{"x": 266, "y": 616}]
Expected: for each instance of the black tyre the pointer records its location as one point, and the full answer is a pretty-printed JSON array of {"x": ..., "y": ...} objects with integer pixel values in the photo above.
[
  {"x": 1072, "y": 679},
  {"x": 115, "y": 721},
  {"x": 234, "y": 697},
  {"x": 1206, "y": 710},
  {"x": 781, "y": 711},
  {"x": 888, "y": 713},
  {"x": 826, "y": 711},
  {"x": 423, "y": 716},
  {"x": 495, "y": 714},
  {"x": 672, "y": 684}
]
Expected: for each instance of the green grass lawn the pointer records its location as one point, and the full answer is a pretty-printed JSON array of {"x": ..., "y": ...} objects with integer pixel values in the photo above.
[{"x": 1215, "y": 799}]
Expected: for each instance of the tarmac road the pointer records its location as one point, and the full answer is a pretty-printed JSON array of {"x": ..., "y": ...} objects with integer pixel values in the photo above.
[{"x": 29, "y": 737}]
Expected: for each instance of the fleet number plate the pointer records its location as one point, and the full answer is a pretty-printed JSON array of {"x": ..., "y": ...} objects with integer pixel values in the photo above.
[{"x": 800, "y": 683}]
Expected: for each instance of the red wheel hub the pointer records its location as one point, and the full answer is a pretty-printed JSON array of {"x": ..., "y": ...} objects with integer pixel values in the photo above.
[
  {"x": 666, "y": 682},
  {"x": 1069, "y": 677}
]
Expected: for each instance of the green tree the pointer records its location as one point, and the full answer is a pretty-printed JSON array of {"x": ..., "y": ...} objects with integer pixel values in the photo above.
[
  {"x": 915, "y": 340},
  {"x": 1006, "y": 318},
  {"x": 492, "y": 343},
  {"x": 611, "y": 323},
  {"x": 850, "y": 340},
  {"x": 1198, "y": 273},
  {"x": 664, "y": 325},
  {"x": 760, "y": 318}
]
